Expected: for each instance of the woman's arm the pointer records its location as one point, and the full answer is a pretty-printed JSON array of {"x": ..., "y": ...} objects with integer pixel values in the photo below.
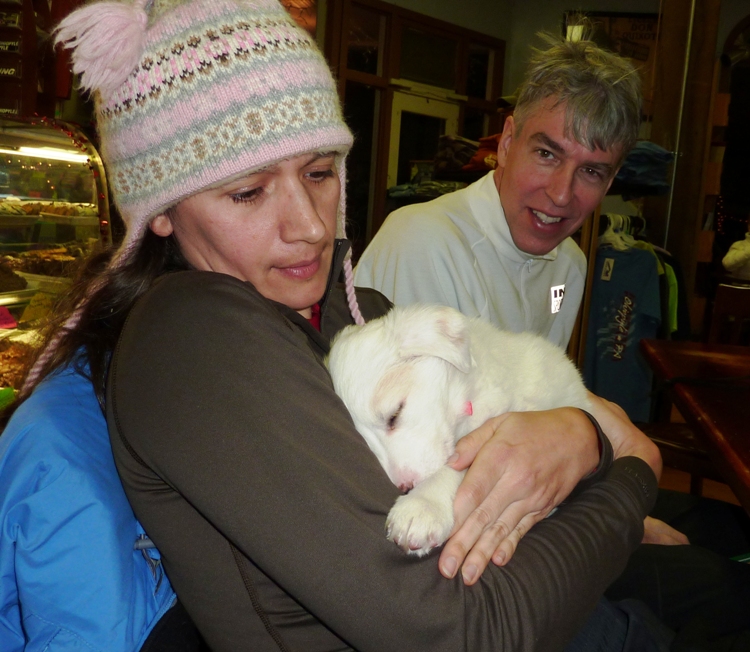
[{"x": 226, "y": 429}]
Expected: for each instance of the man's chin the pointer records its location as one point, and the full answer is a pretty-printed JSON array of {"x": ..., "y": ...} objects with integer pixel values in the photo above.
[{"x": 537, "y": 247}]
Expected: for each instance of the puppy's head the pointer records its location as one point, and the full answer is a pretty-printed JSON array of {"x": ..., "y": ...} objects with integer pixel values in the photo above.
[{"x": 403, "y": 378}]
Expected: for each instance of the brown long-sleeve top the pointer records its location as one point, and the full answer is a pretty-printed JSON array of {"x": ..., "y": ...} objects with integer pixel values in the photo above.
[{"x": 268, "y": 508}]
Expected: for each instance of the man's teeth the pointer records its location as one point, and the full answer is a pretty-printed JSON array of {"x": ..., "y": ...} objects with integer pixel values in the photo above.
[{"x": 546, "y": 218}]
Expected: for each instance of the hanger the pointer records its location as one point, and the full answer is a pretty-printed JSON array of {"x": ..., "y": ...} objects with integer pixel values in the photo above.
[{"x": 616, "y": 234}]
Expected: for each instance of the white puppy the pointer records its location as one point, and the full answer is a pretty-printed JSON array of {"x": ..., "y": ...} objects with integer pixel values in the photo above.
[{"x": 418, "y": 379}]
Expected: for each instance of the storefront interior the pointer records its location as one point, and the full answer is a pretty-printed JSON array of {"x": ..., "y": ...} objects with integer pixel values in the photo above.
[{"x": 425, "y": 86}]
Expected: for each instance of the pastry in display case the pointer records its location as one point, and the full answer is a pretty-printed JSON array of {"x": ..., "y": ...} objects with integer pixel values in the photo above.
[{"x": 53, "y": 212}]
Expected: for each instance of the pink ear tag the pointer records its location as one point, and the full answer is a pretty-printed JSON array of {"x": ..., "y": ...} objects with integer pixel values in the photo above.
[{"x": 468, "y": 409}]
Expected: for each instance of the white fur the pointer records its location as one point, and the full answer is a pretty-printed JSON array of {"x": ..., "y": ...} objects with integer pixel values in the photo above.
[{"x": 407, "y": 379}]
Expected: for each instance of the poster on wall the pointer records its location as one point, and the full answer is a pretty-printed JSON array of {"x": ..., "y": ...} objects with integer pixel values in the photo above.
[
  {"x": 304, "y": 12},
  {"x": 631, "y": 35}
]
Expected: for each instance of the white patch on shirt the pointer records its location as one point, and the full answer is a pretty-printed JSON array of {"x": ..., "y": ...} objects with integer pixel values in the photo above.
[
  {"x": 607, "y": 268},
  {"x": 557, "y": 292}
]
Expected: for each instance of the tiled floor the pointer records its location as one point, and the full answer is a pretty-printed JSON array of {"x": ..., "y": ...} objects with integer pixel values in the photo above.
[{"x": 680, "y": 481}]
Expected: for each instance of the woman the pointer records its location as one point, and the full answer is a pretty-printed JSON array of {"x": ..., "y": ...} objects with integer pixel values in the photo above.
[{"x": 204, "y": 337}]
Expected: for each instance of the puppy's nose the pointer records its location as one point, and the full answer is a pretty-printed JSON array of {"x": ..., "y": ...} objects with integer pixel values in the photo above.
[{"x": 406, "y": 486}]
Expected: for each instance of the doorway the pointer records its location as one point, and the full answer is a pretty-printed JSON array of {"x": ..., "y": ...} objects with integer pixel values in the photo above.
[{"x": 416, "y": 124}]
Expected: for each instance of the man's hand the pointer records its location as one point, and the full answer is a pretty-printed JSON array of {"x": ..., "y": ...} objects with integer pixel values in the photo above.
[
  {"x": 656, "y": 531},
  {"x": 521, "y": 466}
]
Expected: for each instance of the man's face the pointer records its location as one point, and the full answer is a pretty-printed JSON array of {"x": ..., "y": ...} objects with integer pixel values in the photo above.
[{"x": 548, "y": 182}]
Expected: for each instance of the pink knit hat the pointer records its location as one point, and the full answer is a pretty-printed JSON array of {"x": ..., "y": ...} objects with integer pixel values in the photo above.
[{"x": 190, "y": 94}]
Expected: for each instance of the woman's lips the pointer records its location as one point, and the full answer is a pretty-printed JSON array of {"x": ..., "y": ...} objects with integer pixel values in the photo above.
[{"x": 302, "y": 270}]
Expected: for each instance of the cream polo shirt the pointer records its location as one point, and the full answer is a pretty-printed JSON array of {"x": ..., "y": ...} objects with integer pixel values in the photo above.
[{"x": 457, "y": 251}]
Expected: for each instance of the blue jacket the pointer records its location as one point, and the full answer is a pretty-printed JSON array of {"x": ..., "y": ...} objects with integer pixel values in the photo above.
[{"x": 70, "y": 576}]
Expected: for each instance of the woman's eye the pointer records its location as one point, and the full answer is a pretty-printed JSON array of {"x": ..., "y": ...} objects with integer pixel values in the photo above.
[
  {"x": 246, "y": 196},
  {"x": 318, "y": 176}
]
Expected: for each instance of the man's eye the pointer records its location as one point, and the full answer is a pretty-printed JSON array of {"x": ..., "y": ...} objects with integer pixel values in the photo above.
[
  {"x": 545, "y": 153},
  {"x": 592, "y": 173},
  {"x": 246, "y": 196}
]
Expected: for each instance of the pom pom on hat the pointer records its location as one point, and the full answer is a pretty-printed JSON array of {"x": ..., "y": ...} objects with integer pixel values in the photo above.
[{"x": 107, "y": 40}]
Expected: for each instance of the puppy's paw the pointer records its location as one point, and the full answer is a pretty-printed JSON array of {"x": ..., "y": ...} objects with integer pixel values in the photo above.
[{"x": 417, "y": 524}]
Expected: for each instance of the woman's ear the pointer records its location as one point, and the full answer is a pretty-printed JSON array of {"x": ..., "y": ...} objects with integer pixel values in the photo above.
[{"x": 162, "y": 225}]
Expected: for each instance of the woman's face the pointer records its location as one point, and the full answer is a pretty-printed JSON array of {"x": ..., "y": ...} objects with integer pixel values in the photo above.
[{"x": 274, "y": 229}]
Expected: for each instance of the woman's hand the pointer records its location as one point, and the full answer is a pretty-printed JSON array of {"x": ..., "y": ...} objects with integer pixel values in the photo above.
[{"x": 521, "y": 466}]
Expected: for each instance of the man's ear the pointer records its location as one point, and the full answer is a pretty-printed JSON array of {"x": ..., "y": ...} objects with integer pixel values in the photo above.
[
  {"x": 506, "y": 137},
  {"x": 161, "y": 225},
  {"x": 612, "y": 178}
]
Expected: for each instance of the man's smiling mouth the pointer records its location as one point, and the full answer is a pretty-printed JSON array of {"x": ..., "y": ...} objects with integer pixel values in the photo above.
[{"x": 546, "y": 219}]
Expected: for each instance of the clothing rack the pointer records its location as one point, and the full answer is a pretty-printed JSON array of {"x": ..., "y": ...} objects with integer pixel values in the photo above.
[{"x": 633, "y": 225}]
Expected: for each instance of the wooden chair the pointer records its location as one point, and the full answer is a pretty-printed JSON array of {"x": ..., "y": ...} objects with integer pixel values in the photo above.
[
  {"x": 730, "y": 318},
  {"x": 679, "y": 447}
]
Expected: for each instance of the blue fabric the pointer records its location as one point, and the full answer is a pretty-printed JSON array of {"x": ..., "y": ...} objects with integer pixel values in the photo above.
[
  {"x": 644, "y": 171},
  {"x": 70, "y": 578},
  {"x": 625, "y": 308},
  {"x": 625, "y": 626}
]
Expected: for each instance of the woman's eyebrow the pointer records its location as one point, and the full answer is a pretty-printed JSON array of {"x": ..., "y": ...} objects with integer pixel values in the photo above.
[
  {"x": 319, "y": 155},
  {"x": 314, "y": 156}
]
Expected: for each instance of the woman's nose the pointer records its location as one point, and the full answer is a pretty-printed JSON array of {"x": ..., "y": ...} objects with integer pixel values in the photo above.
[
  {"x": 302, "y": 221},
  {"x": 560, "y": 186}
]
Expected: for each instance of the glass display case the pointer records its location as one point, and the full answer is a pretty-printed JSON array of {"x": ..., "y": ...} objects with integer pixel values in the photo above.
[{"x": 53, "y": 212}]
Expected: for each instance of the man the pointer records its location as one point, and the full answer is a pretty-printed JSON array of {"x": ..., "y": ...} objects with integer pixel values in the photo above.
[{"x": 500, "y": 249}]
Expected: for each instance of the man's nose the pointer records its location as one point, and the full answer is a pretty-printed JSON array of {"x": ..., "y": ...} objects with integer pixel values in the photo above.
[{"x": 560, "y": 186}]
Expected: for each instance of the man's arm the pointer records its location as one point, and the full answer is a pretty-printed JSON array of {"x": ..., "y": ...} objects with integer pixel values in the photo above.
[
  {"x": 521, "y": 466},
  {"x": 628, "y": 440},
  {"x": 625, "y": 437}
]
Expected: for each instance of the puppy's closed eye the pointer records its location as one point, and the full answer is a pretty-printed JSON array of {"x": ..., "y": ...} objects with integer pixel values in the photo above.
[{"x": 393, "y": 419}]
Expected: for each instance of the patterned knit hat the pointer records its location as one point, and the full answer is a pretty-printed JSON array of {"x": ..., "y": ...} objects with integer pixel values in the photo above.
[{"x": 191, "y": 94}]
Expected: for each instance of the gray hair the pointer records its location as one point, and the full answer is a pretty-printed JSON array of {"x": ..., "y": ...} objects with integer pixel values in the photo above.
[{"x": 601, "y": 92}]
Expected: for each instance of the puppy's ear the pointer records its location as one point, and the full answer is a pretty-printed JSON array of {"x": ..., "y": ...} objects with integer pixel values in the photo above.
[{"x": 440, "y": 332}]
